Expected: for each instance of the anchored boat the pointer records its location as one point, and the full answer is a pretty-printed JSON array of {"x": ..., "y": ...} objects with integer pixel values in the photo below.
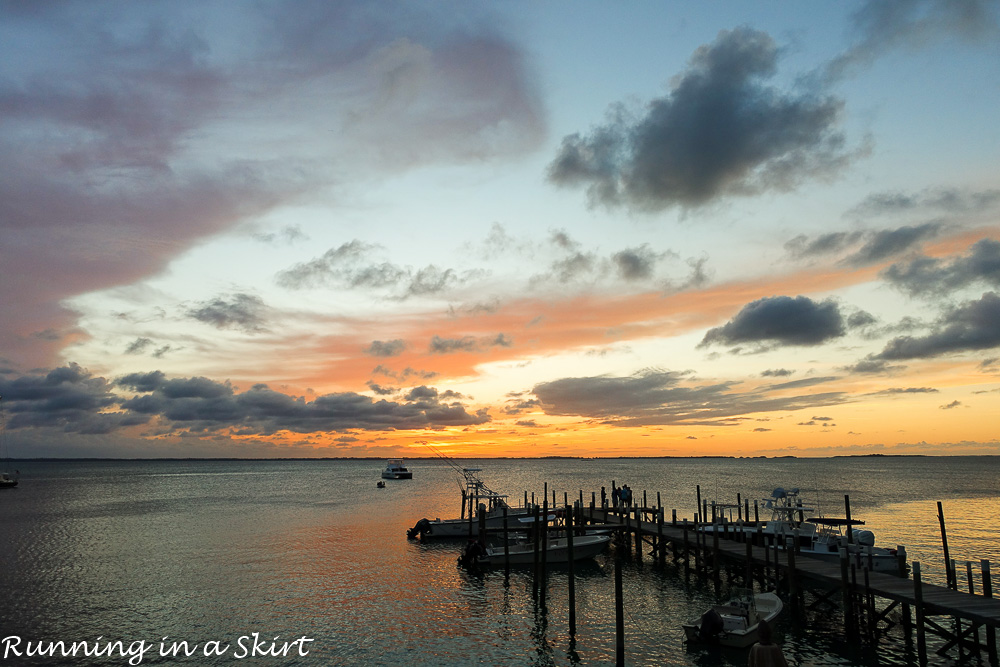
[{"x": 394, "y": 469}]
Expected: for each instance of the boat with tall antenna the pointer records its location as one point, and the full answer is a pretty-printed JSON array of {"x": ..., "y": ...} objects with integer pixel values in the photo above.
[{"x": 476, "y": 498}]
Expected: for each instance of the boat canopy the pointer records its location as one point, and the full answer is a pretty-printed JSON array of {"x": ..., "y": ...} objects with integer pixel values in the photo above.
[{"x": 830, "y": 521}]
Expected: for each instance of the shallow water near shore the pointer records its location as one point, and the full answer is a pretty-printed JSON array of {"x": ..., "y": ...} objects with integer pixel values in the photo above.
[{"x": 215, "y": 551}]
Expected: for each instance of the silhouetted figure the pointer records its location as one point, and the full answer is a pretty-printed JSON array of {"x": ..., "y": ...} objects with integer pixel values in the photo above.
[
  {"x": 765, "y": 653},
  {"x": 604, "y": 497}
]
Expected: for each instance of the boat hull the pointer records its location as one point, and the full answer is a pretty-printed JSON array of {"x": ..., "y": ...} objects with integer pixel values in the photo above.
[
  {"x": 584, "y": 546},
  {"x": 396, "y": 475},
  {"x": 451, "y": 529}
]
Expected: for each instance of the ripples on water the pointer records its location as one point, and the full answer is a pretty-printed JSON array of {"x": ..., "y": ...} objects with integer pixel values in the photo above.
[{"x": 216, "y": 550}]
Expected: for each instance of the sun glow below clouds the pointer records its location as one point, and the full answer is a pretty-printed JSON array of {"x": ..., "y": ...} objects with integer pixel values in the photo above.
[{"x": 284, "y": 230}]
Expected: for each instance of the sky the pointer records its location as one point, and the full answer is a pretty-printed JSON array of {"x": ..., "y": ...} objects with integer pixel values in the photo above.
[{"x": 354, "y": 229}]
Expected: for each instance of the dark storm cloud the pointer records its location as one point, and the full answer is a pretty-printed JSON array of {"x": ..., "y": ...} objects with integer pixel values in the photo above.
[
  {"x": 245, "y": 312},
  {"x": 664, "y": 398},
  {"x": 71, "y": 399},
  {"x": 67, "y": 398},
  {"x": 884, "y": 25},
  {"x": 721, "y": 131},
  {"x": 127, "y": 128},
  {"x": 780, "y": 319},
  {"x": 389, "y": 348},
  {"x": 197, "y": 406},
  {"x": 930, "y": 276},
  {"x": 971, "y": 326}
]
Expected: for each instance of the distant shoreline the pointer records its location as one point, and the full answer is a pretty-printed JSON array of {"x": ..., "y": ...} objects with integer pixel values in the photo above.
[{"x": 492, "y": 458}]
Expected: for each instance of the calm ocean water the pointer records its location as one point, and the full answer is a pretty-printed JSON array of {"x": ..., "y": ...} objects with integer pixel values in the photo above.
[{"x": 164, "y": 552}]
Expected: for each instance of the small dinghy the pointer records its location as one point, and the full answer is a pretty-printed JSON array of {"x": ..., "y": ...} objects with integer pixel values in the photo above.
[{"x": 734, "y": 623}]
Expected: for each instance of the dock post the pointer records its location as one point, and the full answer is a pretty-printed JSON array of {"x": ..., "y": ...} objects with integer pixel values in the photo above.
[
  {"x": 918, "y": 598},
  {"x": 544, "y": 551},
  {"x": 847, "y": 510},
  {"x": 756, "y": 513},
  {"x": 506, "y": 547},
  {"x": 698, "y": 490},
  {"x": 687, "y": 549},
  {"x": 845, "y": 584},
  {"x": 638, "y": 532},
  {"x": 572, "y": 583},
  {"x": 793, "y": 588},
  {"x": 673, "y": 520},
  {"x": 949, "y": 573},
  {"x": 661, "y": 542},
  {"x": 767, "y": 555},
  {"x": 536, "y": 543},
  {"x": 749, "y": 562},
  {"x": 991, "y": 638},
  {"x": 619, "y": 616},
  {"x": 715, "y": 551}
]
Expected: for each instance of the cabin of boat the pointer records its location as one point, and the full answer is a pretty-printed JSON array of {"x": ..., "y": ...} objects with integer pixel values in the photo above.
[{"x": 394, "y": 469}]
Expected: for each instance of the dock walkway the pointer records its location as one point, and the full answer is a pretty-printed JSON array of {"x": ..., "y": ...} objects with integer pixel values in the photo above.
[{"x": 936, "y": 600}]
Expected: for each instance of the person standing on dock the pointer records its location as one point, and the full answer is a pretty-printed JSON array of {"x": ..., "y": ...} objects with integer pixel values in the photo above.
[
  {"x": 616, "y": 496},
  {"x": 604, "y": 497},
  {"x": 765, "y": 653}
]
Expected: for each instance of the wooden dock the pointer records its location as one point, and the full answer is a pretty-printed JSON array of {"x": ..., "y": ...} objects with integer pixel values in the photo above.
[{"x": 796, "y": 572}]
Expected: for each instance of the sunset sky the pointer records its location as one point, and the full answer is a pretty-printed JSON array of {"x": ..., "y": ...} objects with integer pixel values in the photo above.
[{"x": 301, "y": 229}]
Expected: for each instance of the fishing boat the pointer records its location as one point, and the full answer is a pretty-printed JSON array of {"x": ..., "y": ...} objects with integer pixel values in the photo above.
[
  {"x": 556, "y": 550},
  {"x": 825, "y": 537},
  {"x": 477, "y": 499},
  {"x": 830, "y": 538},
  {"x": 7, "y": 481},
  {"x": 735, "y": 622},
  {"x": 394, "y": 469}
]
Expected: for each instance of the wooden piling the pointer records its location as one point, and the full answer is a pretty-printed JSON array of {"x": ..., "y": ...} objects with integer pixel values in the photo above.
[
  {"x": 619, "y": 617},
  {"x": 661, "y": 542},
  {"x": 847, "y": 510},
  {"x": 918, "y": 599},
  {"x": 638, "y": 533},
  {"x": 698, "y": 491},
  {"x": 536, "y": 543},
  {"x": 572, "y": 581},
  {"x": 506, "y": 547},
  {"x": 949, "y": 573},
  {"x": 991, "y": 638}
]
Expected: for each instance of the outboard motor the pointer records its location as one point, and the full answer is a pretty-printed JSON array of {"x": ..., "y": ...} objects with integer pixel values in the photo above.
[
  {"x": 865, "y": 538},
  {"x": 711, "y": 625},
  {"x": 421, "y": 528}
]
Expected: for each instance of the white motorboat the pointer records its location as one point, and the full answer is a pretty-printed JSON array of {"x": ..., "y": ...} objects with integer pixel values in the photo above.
[
  {"x": 830, "y": 538},
  {"x": 824, "y": 537},
  {"x": 394, "y": 469},
  {"x": 477, "y": 499},
  {"x": 734, "y": 623},
  {"x": 556, "y": 551}
]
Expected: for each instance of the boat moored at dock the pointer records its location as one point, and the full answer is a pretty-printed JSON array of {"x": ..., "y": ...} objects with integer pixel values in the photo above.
[{"x": 734, "y": 623}]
